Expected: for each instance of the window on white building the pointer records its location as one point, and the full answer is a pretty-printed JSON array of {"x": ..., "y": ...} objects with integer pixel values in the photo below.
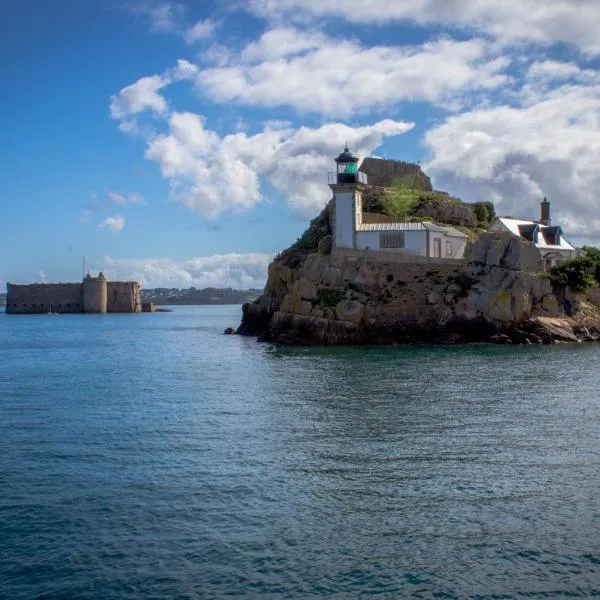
[
  {"x": 448, "y": 248},
  {"x": 392, "y": 240}
]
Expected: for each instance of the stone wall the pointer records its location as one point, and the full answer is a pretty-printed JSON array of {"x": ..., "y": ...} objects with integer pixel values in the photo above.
[
  {"x": 397, "y": 256},
  {"x": 123, "y": 297},
  {"x": 41, "y": 298}
]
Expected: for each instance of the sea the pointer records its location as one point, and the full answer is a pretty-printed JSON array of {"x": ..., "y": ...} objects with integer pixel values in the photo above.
[{"x": 152, "y": 457}]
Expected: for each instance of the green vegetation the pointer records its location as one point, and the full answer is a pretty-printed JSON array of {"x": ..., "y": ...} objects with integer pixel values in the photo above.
[
  {"x": 579, "y": 274},
  {"x": 485, "y": 213},
  {"x": 309, "y": 240},
  {"x": 401, "y": 202},
  {"x": 317, "y": 230},
  {"x": 329, "y": 296}
]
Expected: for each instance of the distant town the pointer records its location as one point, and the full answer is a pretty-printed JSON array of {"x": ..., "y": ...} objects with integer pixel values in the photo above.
[{"x": 194, "y": 296}]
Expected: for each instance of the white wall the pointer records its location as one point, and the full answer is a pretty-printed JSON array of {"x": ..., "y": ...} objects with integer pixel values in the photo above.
[
  {"x": 358, "y": 208},
  {"x": 344, "y": 219},
  {"x": 458, "y": 245},
  {"x": 415, "y": 242}
]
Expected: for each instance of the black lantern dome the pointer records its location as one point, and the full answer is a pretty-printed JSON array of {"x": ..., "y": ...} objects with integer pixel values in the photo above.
[{"x": 346, "y": 167}]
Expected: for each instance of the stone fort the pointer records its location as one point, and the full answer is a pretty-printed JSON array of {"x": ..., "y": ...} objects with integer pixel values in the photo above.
[{"x": 92, "y": 295}]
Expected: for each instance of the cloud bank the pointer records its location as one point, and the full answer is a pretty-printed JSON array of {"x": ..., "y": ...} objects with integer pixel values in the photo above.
[{"x": 238, "y": 271}]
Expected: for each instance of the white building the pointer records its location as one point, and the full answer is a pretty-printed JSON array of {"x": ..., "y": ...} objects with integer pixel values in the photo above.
[
  {"x": 548, "y": 239},
  {"x": 349, "y": 231}
]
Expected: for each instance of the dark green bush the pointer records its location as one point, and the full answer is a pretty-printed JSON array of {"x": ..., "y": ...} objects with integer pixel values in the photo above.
[
  {"x": 330, "y": 296},
  {"x": 579, "y": 273}
]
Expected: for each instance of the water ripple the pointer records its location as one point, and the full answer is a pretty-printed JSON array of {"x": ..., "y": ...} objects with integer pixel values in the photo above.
[{"x": 153, "y": 457}]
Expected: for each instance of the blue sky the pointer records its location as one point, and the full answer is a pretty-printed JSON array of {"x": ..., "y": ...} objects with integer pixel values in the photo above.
[{"x": 184, "y": 143}]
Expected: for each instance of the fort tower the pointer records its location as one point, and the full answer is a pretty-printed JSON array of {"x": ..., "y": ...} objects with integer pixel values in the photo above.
[{"x": 95, "y": 294}]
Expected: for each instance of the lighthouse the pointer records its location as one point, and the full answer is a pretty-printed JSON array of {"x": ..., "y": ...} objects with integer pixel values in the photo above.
[{"x": 347, "y": 185}]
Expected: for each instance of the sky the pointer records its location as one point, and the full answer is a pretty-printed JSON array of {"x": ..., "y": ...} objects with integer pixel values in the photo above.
[{"x": 184, "y": 143}]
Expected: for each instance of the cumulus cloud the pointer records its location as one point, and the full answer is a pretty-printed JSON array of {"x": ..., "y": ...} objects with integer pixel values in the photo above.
[
  {"x": 114, "y": 224},
  {"x": 515, "y": 155},
  {"x": 281, "y": 42},
  {"x": 143, "y": 95},
  {"x": 140, "y": 96},
  {"x": 241, "y": 271},
  {"x": 202, "y": 30},
  {"x": 163, "y": 16},
  {"x": 573, "y": 21},
  {"x": 134, "y": 198},
  {"x": 211, "y": 174},
  {"x": 313, "y": 73}
]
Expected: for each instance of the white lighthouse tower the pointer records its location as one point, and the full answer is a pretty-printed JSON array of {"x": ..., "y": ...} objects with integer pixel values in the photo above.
[{"x": 347, "y": 185}]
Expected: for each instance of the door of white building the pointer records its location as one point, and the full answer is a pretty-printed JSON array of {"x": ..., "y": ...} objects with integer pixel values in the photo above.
[{"x": 437, "y": 248}]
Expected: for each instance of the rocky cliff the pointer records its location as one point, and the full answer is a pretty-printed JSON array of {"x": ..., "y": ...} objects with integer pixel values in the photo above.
[
  {"x": 497, "y": 294},
  {"x": 387, "y": 173}
]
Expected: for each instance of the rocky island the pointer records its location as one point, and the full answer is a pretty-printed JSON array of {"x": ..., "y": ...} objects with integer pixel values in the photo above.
[{"x": 501, "y": 290}]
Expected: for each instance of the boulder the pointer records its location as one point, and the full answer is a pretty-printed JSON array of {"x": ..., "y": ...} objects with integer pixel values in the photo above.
[
  {"x": 504, "y": 250},
  {"x": 551, "y": 330},
  {"x": 350, "y": 310}
]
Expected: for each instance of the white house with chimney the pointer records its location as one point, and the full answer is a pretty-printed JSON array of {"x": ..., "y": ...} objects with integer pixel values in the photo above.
[
  {"x": 548, "y": 239},
  {"x": 414, "y": 239}
]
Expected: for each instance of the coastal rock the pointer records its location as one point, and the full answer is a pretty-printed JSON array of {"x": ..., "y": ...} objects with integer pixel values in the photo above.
[
  {"x": 350, "y": 310},
  {"x": 504, "y": 250},
  {"x": 347, "y": 298},
  {"x": 551, "y": 330}
]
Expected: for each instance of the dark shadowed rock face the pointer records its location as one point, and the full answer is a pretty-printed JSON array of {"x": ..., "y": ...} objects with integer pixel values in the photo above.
[{"x": 386, "y": 173}]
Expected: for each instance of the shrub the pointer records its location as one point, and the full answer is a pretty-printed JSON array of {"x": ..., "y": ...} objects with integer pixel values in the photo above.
[
  {"x": 485, "y": 213},
  {"x": 329, "y": 296},
  {"x": 579, "y": 273}
]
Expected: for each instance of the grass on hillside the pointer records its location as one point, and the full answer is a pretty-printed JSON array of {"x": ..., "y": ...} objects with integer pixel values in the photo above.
[{"x": 400, "y": 202}]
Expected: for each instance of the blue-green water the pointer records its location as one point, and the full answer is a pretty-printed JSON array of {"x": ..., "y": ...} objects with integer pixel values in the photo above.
[{"x": 149, "y": 456}]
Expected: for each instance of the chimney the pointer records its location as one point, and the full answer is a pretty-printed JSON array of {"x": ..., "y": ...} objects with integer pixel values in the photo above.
[{"x": 545, "y": 212}]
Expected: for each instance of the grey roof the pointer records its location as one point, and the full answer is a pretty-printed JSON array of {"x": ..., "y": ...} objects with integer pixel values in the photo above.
[{"x": 446, "y": 229}]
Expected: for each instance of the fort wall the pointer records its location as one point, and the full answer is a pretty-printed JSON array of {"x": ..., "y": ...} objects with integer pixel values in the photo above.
[
  {"x": 94, "y": 295},
  {"x": 42, "y": 298},
  {"x": 123, "y": 297}
]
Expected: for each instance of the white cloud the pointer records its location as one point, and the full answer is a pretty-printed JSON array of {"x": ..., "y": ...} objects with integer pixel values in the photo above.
[
  {"x": 316, "y": 74},
  {"x": 114, "y": 224},
  {"x": 164, "y": 16},
  {"x": 211, "y": 174},
  {"x": 134, "y": 198},
  {"x": 202, "y": 30},
  {"x": 572, "y": 21},
  {"x": 184, "y": 70},
  {"x": 281, "y": 42},
  {"x": 41, "y": 276},
  {"x": 241, "y": 271},
  {"x": 516, "y": 155},
  {"x": 140, "y": 96}
]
